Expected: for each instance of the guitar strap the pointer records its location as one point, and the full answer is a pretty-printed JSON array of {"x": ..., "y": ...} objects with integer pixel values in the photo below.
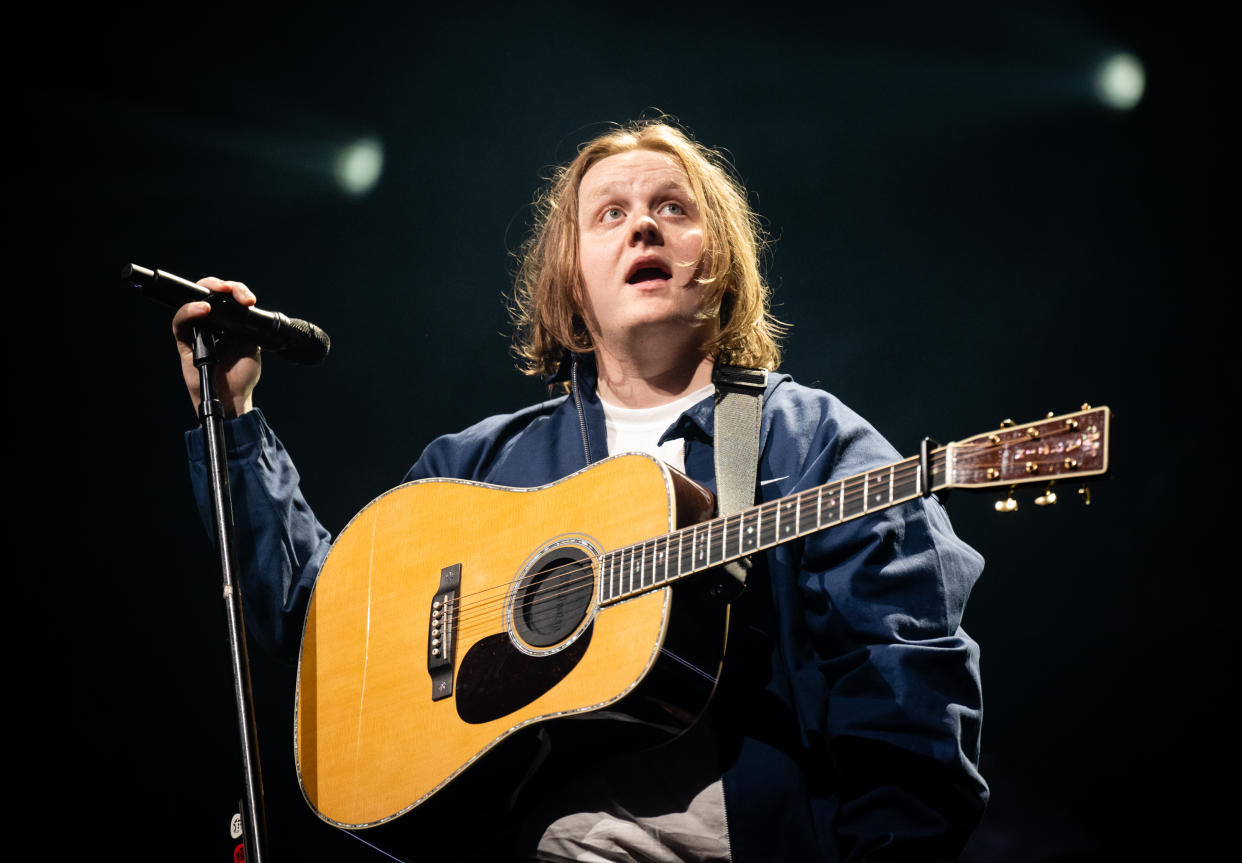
[{"x": 739, "y": 412}]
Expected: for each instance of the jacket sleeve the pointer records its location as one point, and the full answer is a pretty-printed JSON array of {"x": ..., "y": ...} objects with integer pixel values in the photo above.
[
  {"x": 280, "y": 544},
  {"x": 884, "y": 677}
]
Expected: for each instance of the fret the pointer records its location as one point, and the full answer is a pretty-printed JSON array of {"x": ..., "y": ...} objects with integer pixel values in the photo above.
[
  {"x": 750, "y": 531},
  {"x": 819, "y": 506},
  {"x": 878, "y": 489},
  {"x": 912, "y": 485},
  {"x": 685, "y": 554},
  {"x": 833, "y": 511},
  {"x": 806, "y": 521},
  {"x": 787, "y": 523},
  {"x": 732, "y": 539},
  {"x": 853, "y": 503},
  {"x": 720, "y": 541},
  {"x": 768, "y": 525},
  {"x": 640, "y": 568}
]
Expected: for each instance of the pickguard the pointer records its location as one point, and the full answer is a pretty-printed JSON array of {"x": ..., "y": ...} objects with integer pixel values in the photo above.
[{"x": 495, "y": 678}]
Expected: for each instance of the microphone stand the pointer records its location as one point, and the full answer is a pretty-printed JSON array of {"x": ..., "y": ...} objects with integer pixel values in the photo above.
[{"x": 254, "y": 819}]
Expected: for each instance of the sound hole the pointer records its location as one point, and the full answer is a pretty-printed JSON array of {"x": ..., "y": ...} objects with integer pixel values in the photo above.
[{"x": 554, "y": 597}]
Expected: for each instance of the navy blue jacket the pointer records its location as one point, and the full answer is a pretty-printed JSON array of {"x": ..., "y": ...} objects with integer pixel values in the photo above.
[{"x": 850, "y": 717}]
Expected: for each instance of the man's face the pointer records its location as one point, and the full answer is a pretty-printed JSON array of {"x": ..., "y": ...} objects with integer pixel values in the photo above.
[{"x": 640, "y": 238}]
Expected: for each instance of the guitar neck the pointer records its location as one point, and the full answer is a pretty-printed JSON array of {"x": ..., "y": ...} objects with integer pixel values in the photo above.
[
  {"x": 635, "y": 569},
  {"x": 1067, "y": 446}
]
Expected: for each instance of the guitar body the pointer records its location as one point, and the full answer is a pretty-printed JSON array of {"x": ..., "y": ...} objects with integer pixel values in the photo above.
[
  {"x": 453, "y": 623},
  {"x": 429, "y": 654}
]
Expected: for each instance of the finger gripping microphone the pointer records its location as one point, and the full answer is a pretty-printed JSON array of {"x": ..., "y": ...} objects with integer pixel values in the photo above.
[{"x": 296, "y": 340}]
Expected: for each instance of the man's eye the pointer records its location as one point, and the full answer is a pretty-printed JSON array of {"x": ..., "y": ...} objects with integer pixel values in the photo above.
[
  {"x": 674, "y": 209},
  {"x": 612, "y": 214}
]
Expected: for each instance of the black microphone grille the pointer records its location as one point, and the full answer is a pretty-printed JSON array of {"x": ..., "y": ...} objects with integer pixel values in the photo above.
[{"x": 310, "y": 346}]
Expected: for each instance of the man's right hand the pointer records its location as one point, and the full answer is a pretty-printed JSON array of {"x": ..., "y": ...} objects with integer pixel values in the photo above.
[{"x": 237, "y": 361}]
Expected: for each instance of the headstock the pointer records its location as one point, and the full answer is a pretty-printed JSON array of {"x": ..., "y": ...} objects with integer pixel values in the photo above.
[{"x": 1071, "y": 446}]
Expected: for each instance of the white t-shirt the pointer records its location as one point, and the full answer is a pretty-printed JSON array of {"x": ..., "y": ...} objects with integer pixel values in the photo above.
[
  {"x": 677, "y": 787},
  {"x": 638, "y": 429}
]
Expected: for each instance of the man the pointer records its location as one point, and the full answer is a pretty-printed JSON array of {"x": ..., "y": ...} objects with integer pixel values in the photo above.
[{"x": 847, "y": 724}]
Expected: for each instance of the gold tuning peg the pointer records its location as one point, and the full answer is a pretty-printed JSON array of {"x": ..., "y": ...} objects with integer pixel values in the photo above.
[
  {"x": 1007, "y": 423},
  {"x": 1048, "y": 498},
  {"x": 1008, "y": 504},
  {"x": 1085, "y": 494}
]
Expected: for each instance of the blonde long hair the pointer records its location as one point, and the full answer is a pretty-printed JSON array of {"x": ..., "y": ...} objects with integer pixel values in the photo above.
[{"x": 546, "y": 314}]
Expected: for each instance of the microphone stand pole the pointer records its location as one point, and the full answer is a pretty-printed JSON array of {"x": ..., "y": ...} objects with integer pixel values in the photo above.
[{"x": 254, "y": 822}]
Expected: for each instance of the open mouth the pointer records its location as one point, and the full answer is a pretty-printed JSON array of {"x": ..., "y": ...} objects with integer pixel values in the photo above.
[{"x": 649, "y": 273}]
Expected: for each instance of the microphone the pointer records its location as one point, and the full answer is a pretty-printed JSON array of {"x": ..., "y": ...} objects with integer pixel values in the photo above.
[{"x": 296, "y": 340}]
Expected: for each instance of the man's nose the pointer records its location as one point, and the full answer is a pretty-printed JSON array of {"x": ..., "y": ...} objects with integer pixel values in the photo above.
[{"x": 646, "y": 231}]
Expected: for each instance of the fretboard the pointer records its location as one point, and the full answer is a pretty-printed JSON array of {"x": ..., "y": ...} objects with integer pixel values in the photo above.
[{"x": 638, "y": 568}]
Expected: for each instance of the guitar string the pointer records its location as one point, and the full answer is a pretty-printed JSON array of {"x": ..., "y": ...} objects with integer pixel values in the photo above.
[
  {"x": 966, "y": 452},
  {"x": 725, "y": 533},
  {"x": 719, "y": 532},
  {"x": 649, "y": 553},
  {"x": 569, "y": 578},
  {"x": 901, "y": 473},
  {"x": 716, "y": 547}
]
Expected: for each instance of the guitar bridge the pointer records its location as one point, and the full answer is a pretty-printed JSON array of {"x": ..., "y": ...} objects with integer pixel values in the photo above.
[{"x": 442, "y": 631}]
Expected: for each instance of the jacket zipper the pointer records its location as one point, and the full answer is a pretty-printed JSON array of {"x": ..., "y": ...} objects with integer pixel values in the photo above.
[{"x": 586, "y": 445}]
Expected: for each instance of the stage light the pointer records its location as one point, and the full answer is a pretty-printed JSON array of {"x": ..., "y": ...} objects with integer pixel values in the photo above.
[
  {"x": 358, "y": 166},
  {"x": 1119, "y": 81}
]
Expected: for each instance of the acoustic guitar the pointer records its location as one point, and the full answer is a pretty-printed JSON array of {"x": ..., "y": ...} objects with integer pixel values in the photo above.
[{"x": 430, "y": 645}]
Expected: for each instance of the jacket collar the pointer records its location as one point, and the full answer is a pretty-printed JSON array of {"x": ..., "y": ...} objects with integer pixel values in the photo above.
[{"x": 699, "y": 420}]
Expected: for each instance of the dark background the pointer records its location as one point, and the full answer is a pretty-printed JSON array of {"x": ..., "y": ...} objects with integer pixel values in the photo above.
[{"x": 962, "y": 233}]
